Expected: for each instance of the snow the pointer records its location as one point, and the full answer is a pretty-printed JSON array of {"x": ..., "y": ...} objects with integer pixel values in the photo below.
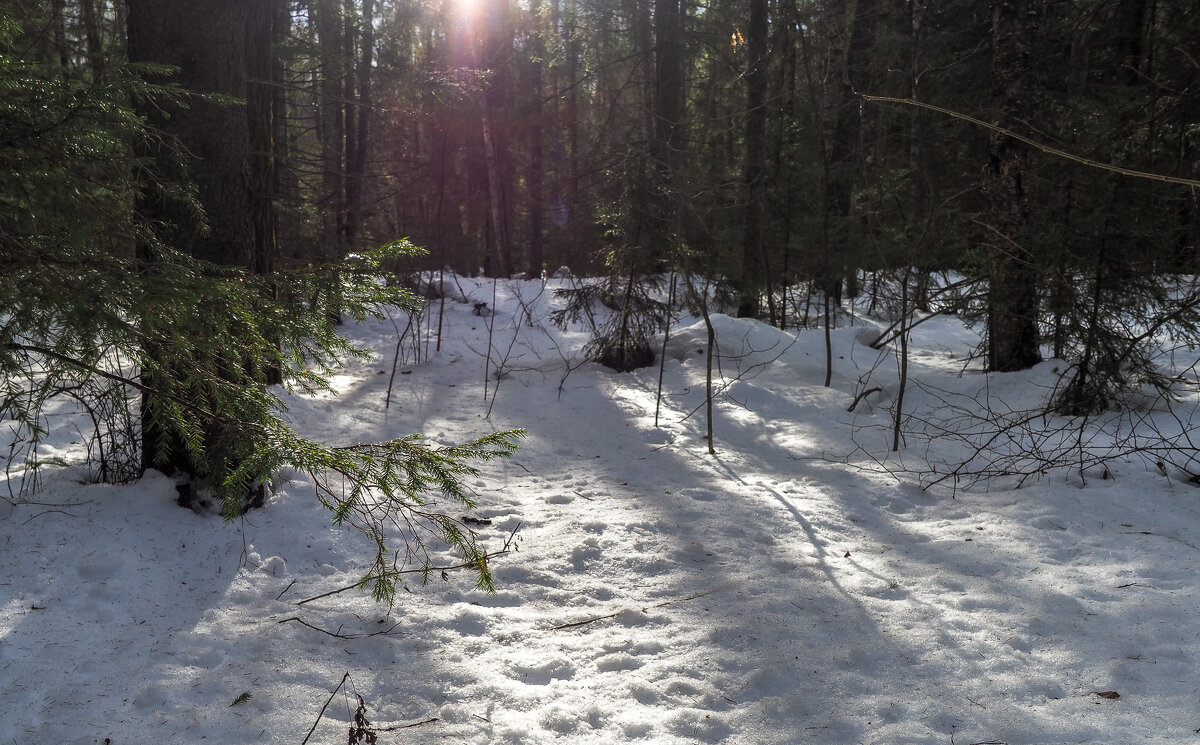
[{"x": 799, "y": 586}]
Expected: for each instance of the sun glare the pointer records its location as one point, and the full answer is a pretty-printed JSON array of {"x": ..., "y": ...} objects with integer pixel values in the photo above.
[{"x": 468, "y": 11}]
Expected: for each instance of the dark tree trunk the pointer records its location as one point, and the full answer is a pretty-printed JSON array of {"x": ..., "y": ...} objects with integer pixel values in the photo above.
[
  {"x": 58, "y": 20},
  {"x": 356, "y": 146},
  {"x": 331, "y": 125},
  {"x": 91, "y": 32},
  {"x": 1131, "y": 17},
  {"x": 572, "y": 80},
  {"x": 754, "y": 179},
  {"x": 260, "y": 112},
  {"x": 645, "y": 192},
  {"x": 262, "y": 84},
  {"x": 349, "y": 109},
  {"x": 494, "y": 103},
  {"x": 537, "y": 166},
  {"x": 284, "y": 179},
  {"x": 666, "y": 138},
  {"x": 845, "y": 149},
  {"x": 1013, "y": 342},
  {"x": 209, "y": 43}
]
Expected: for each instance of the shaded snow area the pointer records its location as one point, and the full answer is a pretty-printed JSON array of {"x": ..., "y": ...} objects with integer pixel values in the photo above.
[{"x": 796, "y": 587}]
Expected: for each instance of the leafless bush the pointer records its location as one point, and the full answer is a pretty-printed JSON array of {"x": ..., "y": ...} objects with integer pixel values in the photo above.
[
  {"x": 103, "y": 407},
  {"x": 975, "y": 439}
]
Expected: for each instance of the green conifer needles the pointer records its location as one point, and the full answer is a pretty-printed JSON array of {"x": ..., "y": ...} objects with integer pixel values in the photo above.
[{"x": 179, "y": 354}]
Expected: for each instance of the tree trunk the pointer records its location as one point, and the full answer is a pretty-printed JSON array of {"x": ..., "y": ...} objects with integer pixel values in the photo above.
[
  {"x": 349, "y": 109},
  {"x": 331, "y": 125},
  {"x": 537, "y": 167},
  {"x": 58, "y": 20},
  {"x": 356, "y": 146},
  {"x": 91, "y": 32},
  {"x": 500, "y": 265},
  {"x": 1013, "y": 305},
  {"x": 845, "y": 143},
  {"x": 208, "y": 44},
  {"x": 262, "y": 85},
  {"x": 284, "y": 180},
  {"x": 754, "y": 180},
  {"x": 666, "y": 138},
  {"x": 495, "y": 101},
  {"x": 1131, "y": 17},
  {"x": 260, "y": 113}
]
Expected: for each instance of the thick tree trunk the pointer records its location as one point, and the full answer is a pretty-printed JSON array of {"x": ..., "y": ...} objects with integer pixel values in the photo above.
[
  {"x": 349, "y": 108},
  {"x": 284, "y": 179},
  {"x": 643, "y": 229},
  {"x": 574, "y": 201},
  {"x": 495, "y": 102},
  {"x": 261, "y": 33},
  {"x": 1013, "y": 341},
  {"x": 260, "y": 113},
  {"x": 59, "y": 22},
  {"x": 208, "y": 42},
  {"x": 500, "y": 263},
  {"x": 666, "y": 138}
]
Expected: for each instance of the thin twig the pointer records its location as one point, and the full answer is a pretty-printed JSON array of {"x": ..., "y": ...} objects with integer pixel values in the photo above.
[
  {"x": 1038, "y": 145},
  {"x": 410, "y": 725},
  {"x": 575, "y": 624},
  {"x": 289, "y": 586},
  {"x": 338, "y": 634},
  {"x": 323, "y": 708},
  {"x": 47, "y": 512},
  {"x": 861, "y": 396}
]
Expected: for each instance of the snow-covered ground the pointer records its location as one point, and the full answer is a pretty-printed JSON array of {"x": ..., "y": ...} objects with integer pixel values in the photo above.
[{"x": 787, "y": 589}]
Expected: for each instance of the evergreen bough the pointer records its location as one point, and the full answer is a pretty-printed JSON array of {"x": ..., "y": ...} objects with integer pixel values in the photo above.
[{"x": 193, "y": 342}]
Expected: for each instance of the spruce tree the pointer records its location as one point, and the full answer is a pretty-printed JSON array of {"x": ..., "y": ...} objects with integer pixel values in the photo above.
[{"x": 195, "y": 338}]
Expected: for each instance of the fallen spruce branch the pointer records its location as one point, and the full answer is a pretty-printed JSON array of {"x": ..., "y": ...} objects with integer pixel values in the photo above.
[{"x": 508, "y": 547}]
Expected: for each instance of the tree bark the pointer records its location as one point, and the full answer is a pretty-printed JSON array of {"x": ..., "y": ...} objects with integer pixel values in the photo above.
[
  {"x": 537, "y": 167},
  {"x": 260, "y": 114},
  {"x": 494, "y": 101},
  {"x": 58, "y": 20},
  {"x": 91, "y": 32},
  {"x": 357, "y": 146},
  {"x": 754, "y": 180},
  {"x": 331, "y": 124},
  {"x": 1013, "y": 339},
  {"x": 1131, "y": 17},
  {"x": 845, "y": 143},
  {"x": 209, "y": 44}
]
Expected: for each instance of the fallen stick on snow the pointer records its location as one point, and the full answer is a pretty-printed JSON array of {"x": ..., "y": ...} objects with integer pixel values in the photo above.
[{"x": 574, "y": 624}]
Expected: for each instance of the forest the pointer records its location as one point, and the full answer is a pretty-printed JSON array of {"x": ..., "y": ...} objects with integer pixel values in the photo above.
[
  {"x": 1044, "y": 152},
  {"x": 838, "y": 363}
]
